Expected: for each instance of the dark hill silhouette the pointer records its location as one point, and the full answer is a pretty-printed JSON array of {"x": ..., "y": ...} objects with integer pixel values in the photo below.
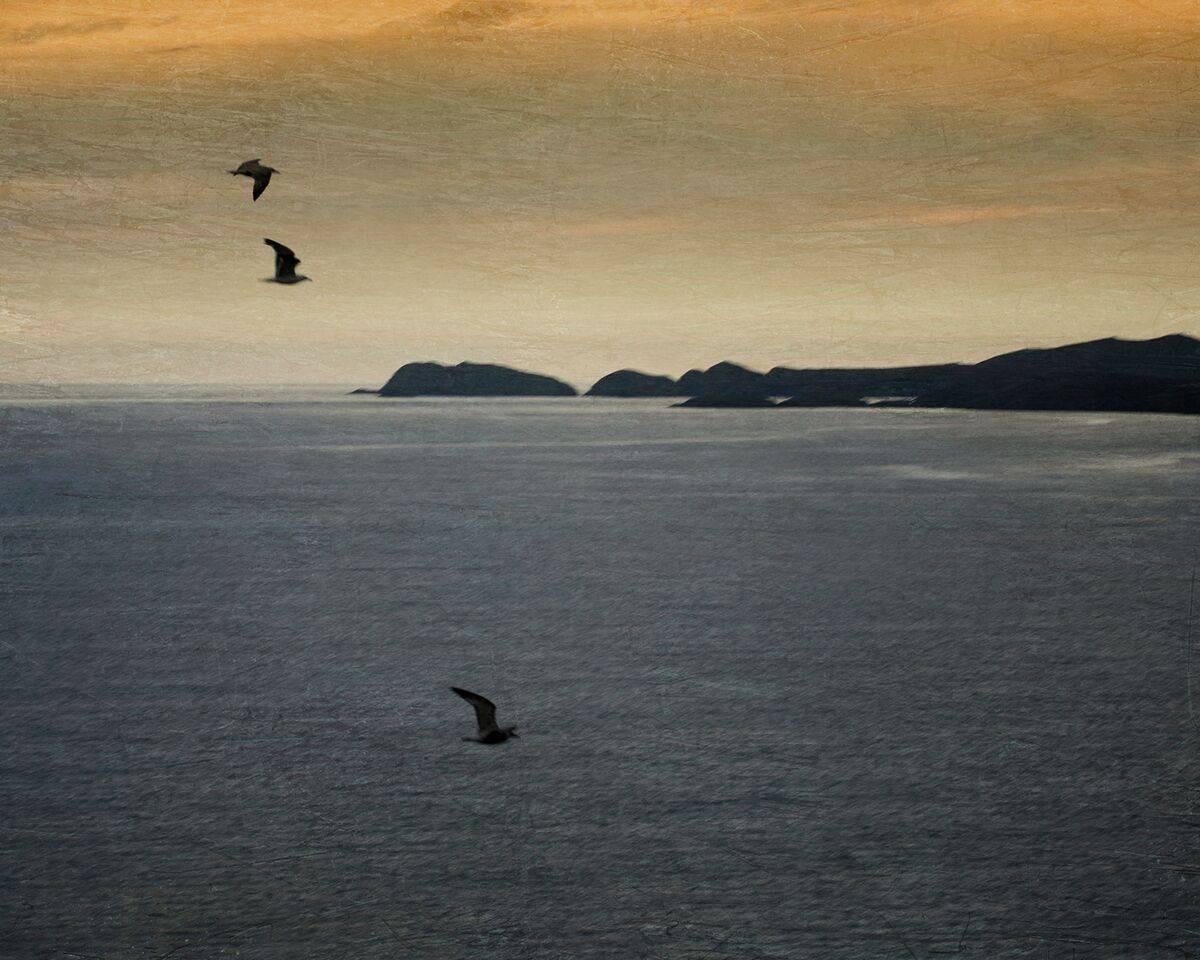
[
  {"x": 724, "y": 379},
  {"x": 471, "y": 380},
  {"x": 1141, "y": 376},
  {"x": 691, "y": 384},
  {"x": 633, "y": 383},
  {"x": 1175, "y": 357}
]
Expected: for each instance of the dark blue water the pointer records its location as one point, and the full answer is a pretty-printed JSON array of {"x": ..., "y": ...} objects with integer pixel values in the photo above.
[{"x": 791, "y": 684}]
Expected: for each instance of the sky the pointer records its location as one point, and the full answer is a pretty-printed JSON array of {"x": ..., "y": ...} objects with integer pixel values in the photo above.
[{"x": 574, "y": 187}]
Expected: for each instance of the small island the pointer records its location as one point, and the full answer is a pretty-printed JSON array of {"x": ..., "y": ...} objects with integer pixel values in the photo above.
[
  {"x": 634, "y": 383},
  {"x": 471, "y": 380}
]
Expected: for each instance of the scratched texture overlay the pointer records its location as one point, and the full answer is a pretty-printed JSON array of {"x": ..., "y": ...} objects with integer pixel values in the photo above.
[
  {"x": 790, "y": 684},
  {"x": 831, "y": 684}
]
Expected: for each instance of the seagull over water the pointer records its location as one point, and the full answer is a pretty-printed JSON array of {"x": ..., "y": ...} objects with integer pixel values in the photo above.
[
  {"x": 485, "y": 716},
  {"x": 285, "y": 264},
  {"x": 254, "y": 169}
]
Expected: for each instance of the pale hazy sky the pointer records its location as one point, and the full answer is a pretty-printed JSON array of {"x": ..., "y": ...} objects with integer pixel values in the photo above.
[{"x": 573, "y": 186}]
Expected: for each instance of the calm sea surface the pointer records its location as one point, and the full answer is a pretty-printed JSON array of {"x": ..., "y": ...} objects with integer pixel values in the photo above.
[{"x": 791, "y": 684}]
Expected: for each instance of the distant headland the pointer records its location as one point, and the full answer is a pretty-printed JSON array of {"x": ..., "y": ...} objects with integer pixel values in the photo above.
[{"x": 1160, "y": 375}]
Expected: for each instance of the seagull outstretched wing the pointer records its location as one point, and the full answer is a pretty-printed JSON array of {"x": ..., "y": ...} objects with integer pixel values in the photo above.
[
  {"x": 254, "y": 169},
  {"x": 261, "y": 179},
  {"x": 285, "y": 260},
  {"x": 485, "y": 710}
]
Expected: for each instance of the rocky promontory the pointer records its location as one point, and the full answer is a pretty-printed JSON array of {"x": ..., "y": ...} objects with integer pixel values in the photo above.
[
  {"x": 837, "y": 386},
  {"x": 727, "y": 400}
]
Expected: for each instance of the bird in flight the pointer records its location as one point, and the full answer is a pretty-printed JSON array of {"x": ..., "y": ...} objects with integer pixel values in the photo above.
[
  {"x": 285, "y": 264},
  {"x": 254, "y": 169},
  {"x": 485, "y": 716}
]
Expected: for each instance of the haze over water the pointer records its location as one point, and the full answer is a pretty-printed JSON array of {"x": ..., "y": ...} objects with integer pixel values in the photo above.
[{"x": 830, "y": 684}]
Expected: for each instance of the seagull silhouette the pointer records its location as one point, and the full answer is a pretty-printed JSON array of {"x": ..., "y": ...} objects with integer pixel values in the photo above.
[
  {"x": 254, "y": 169},
  {"x": 485, "y": 716},
  {"x": 285, "y": 264}
]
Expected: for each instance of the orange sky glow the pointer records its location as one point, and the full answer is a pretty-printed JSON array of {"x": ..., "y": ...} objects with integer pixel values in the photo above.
[{"x": 576, "y": 186}]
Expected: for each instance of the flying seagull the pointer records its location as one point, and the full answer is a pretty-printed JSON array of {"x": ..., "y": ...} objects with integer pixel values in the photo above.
[
  {"x": 485, "y": 716},
  {"x": 285, "y": 264},
  {"x": 255, "y": 170}
]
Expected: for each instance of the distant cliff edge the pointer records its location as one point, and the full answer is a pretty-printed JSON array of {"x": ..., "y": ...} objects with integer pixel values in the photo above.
[
  {"x": 1161, "y": 375},
  {"x": 471, "y": 380}
]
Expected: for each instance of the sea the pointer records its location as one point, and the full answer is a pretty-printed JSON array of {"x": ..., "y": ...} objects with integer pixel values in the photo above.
[{"x": 832, "y": 684}]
